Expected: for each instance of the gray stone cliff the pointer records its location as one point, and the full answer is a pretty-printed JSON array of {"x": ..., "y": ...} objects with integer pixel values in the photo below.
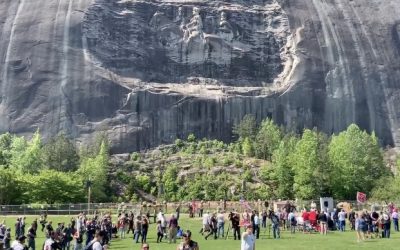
[{"x": 147, "y": 72}]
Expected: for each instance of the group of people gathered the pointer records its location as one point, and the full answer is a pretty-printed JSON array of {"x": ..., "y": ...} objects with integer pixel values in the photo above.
[
  {"x": 81, "y": 233},
  {"x": 97, "y": 231}
]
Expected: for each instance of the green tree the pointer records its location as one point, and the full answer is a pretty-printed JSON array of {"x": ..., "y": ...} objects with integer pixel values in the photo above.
[
  {"x": 5, "y": 148},
  {"x": 247, "y": 147},
  {"x": 310, "y": 168},
  {"x": 60, "y": 154},
  {"x": 386, "y": 189},
  {"x": 282, "y": 164},
  {"x": 357, "y": 162},
  {"x": 26, "y": 156},
  {"x": 170, "y": 180},
  {"x": 268, "y": 139},
  {"x": 191, "y": 138},
  {"x": 95, "y": 169},
  {"x": 247, "y": 128},
  {"x": 50, "y": 186},
  {"x": 12, "y": 187},
  {"x": 17, "y": 152}
]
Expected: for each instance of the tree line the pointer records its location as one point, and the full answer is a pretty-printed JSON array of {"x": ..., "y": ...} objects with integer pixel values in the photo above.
[
  {"x": 302, "y": 166},
  {"x": 292, "y": 165},
  {"x": 54, "y": 172},
  {"x": 313, "y": 164}
]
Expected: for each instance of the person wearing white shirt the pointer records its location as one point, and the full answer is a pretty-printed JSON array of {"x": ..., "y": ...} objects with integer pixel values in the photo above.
[
  {"x": 220, "y": 225},
  {"x": 256, "y": 226},
  {"x": 96, "y": 242},
  {"x": 342, "y": 220},
  {"x": 395, "y": 218},
  {"x": 19, "y": 244},
  {"x": 206, "y": 223},
  {"x": 248, "y": 239},
  {"x": 49, "y": 242}
]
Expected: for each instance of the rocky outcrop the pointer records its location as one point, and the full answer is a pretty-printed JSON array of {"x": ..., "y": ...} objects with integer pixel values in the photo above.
[{"x": 147, "y": 72}]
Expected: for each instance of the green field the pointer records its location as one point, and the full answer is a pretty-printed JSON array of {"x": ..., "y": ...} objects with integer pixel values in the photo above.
[{"x": 334, "y": 240}]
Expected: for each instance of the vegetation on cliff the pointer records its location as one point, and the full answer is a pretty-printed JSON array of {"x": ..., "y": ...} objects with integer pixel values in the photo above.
[{"x": 264, "y": 161}]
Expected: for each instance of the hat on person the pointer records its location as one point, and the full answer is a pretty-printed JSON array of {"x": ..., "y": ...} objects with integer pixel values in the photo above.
[
  {"x": 187, "y": 234},
  {"x": 21, "y": 238}
]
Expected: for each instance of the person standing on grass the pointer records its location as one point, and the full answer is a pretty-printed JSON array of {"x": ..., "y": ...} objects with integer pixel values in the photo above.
[
  {"x": 275, "y": 225},
  {"x": 234, "y": 217},
  {"x": 293, "y": 222},
  {"x": 138, "y": 229},
  {"x": 163, "y": 224},
  {"x": 323, "y": 220},
  {"x": 145, "y": 228},
  {"x": 130, "y": 222},
  {"x": 31, "y": 237},
  {"x": 386, "y": 224},
  {"x": 305, "y": 217},
  {"x": 256, "y": 225},
  {"x": 360, "y": 227},
  {"x": 160, "y": 233},
  {"x": 17, "y": 228},
  {"x": 48, "y": 244},
  {"x": 178, "y": 211},
  {"x": 173, "y": 229},
  {"x": 7, "y": 238},
  {"x": 352, "y": 220},
  {"x": 201, "y": 209},
  {"x": 188, "y": 243},
  {"x": 221, "y": 224},
  {"x": 95, "y": 244},
  {"x": 213, "y": 227},
  {"x": 264, "y": 219},
  {"x": 121, "y": 226},
  {"x": 342, "y": 220},
  {"x": 248, "y": 239},
  {"x": 90, "y": 231},
  {"x": 22, "y": 225},
  {"x": 78, "y": 236},
  {"x": 395, "y": 218}
]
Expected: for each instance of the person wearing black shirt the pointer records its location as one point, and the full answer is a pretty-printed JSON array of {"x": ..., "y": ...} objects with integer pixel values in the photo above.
[
  {"x": 323, "y": 220},
  {"x": 352, "y": 219},
  {"x": 369, "y": 224},
  {"x": 235, "y": 220},
  {"x": 264, "y": 219},
  {"x": 31, "y": 237},
  {"x": 252, "y": 220},
  {"x": 49, "y": 229},
  {"x": 213, "y": 227},
  {"x": 373, "y": 225},
  {"x": 91, "y": 230},
  {"x": 67, "y": 237}
]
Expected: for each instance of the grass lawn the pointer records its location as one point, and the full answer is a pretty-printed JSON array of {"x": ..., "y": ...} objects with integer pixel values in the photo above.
[{"x": 334, "y": 240}]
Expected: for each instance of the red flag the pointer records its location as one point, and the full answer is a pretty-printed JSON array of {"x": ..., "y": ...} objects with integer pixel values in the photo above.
[{"x": 361, "y": 197}]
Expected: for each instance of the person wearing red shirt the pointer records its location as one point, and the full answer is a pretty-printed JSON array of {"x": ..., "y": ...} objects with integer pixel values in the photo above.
[
  {"x": 306, "y": 219},
  {"x": 313, "y": 217}
]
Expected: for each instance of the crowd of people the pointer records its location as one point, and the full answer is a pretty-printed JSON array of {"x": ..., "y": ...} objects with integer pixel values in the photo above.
[
  {"x": 97, "y": 231},
  {"x": 93, "y": 233}
]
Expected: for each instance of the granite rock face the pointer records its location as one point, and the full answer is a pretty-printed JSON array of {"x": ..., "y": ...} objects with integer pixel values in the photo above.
[{"x": 147, "y": 72}]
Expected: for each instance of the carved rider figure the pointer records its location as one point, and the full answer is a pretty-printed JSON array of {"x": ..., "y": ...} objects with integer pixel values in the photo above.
[
  {"x": 224, "y": 25},
  {"x": 194, "y": 28}
]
